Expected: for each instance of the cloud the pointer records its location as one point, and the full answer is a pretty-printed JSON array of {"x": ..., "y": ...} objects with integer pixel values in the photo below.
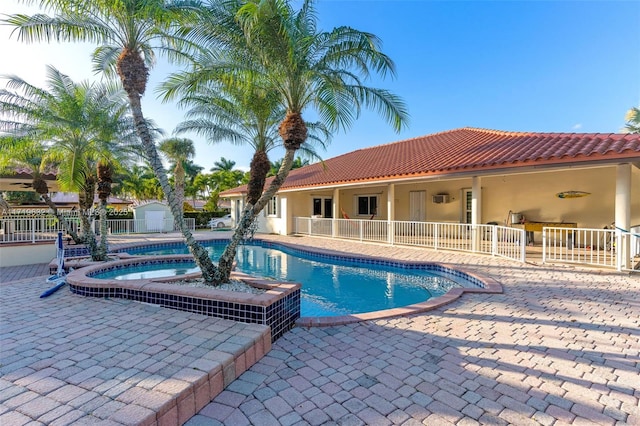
[{"x": 577, "y": 126}]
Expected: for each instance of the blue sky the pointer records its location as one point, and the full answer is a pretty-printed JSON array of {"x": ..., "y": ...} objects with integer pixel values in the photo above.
[{"x": 541, "y": 66}]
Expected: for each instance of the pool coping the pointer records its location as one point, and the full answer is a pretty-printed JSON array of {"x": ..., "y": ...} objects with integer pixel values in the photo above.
[
  {"x": 273, "y": 289},
  {"x": 485, "y": 283},
  {"x": 277, "y": 307}
]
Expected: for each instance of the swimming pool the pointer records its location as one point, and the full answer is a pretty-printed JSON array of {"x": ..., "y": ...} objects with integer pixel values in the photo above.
[{"x": 331, "y": 285}]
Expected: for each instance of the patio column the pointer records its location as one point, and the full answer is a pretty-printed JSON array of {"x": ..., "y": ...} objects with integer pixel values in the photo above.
[
  {"x": 391, "y": 196},
  {"x": 335, "y": 212},
  {"x": 476, "y": 212},
  {"x": 623, "y": 210},
  {"x": 283, "y": 223}
]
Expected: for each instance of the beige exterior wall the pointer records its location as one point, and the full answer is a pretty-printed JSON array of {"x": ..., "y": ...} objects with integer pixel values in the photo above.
[
  {"x": 535, "y": 197},
  {"x": 445, "y": 212},
  {"x": 280, "y": 224}
]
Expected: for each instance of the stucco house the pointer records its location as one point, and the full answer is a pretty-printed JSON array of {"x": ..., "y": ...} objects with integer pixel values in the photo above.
[{"x": 469, "y": 175}]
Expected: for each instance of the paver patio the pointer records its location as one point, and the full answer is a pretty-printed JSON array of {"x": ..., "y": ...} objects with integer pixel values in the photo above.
[{"x": 560, "y": 346}]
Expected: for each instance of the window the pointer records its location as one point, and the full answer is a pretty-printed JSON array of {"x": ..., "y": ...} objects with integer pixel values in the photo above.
[
  {"x": 323, "y": 207},
  {"x": 272, "y": 207},
  {"x": 466, "y": 207},
  {"x": 317, "y": 207},
  {"x": 367, "y": 205}
]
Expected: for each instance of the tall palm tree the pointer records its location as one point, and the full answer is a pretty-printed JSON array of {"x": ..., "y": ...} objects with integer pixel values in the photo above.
[
  {"x": 125, "y": 31},
  {"x": 270, "y": 45},
  {"x": 179, "y": 151},
  {"x": 244, "y": 114},
  {"x": 240, "y": 111},
  {"x": 633, "y": 121}
]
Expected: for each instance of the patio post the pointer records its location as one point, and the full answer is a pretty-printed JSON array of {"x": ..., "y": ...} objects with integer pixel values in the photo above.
[
  {"x": 623, "y": 213},
  {"x": 391, "y": 193},
  {"x": 476, "y": 213},
  {"x": 335, "y": 213}
]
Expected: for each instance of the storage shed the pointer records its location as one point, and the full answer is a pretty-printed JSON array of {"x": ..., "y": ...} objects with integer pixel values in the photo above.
[{"x": 153, "y": 216}]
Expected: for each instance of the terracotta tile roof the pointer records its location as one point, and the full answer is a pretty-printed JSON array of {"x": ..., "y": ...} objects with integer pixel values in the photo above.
[{"x": 463, "y": 150}]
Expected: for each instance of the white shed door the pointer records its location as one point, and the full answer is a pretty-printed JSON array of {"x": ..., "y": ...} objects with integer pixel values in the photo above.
[{"x": 154, "y": 221}]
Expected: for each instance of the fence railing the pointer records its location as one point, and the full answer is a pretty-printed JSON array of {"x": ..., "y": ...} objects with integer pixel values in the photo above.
[
  {"x": 597, "y": 247},
  {"x": 45, "y": 228},
  {"x": 141, "y": 226},
  {"x": 33, "y": 229},
  {"x": 488, "y": 239}
]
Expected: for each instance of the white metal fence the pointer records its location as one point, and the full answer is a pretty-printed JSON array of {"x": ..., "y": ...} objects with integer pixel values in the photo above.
[
  {"x": 141, "y": 226},
  {"x": 32, "y": 229},
  {"x": 597, "y": 247},
  {"x": 488, "y": 239},
  {"x": 45, "y": 228}
]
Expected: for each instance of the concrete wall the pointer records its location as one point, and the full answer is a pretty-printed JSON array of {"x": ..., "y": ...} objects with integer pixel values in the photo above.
[{"x": 27, "y": 254}]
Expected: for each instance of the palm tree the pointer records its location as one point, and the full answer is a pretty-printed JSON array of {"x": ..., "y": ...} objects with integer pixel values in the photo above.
[
  {"x": 139, "y": 182},
  {"x": 124, "y": 31},
  {"x": 179, "y": 151},
  {"x": 633, "y": 121},
  {"x": 78, "y": 126},
  {"x": 297, "y": 163},
  {"x": 269, "y": 45},
  {"x": 223, "y": 165},
  {"x": 238, "y": 111},
  {"x": 29, "y": 155}
]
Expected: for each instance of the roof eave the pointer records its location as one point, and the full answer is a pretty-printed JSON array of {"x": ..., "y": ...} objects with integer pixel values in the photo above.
[{"x": 513, "y": 168}]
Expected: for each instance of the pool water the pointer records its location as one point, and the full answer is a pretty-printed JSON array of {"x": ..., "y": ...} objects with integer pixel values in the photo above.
[{"x": 331, "y": 286}]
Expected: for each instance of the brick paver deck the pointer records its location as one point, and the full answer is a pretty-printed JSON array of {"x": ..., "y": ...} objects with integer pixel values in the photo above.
[
  {"x": 560, "y": 346},
  {"x": 73, "y": 360}
]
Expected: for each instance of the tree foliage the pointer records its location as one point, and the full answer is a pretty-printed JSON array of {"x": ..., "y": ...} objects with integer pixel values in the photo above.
[{"x": 632, "y": 119}]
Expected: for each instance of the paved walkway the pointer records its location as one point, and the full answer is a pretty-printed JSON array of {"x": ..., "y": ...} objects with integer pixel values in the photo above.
[
  {"x": 73, "y": 360},
  {"x": 14, "y": 273},
  {"x": 560, "y": 346}
]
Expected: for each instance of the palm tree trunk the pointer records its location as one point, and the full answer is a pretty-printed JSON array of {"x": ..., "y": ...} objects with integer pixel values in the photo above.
[
  {"x": 200, "y": 255},
  {"x": 260, "y": 166},
  {"x": 88, "y": 236},
  {"x": 101, "y": 252},
  {"x": 104, "y": 173},
  {"x": 68, "y": 228},
  {"x": 225, "y": 263},
  {"x": 85, "y": 201},
  {"x": 180, "y": 193}
]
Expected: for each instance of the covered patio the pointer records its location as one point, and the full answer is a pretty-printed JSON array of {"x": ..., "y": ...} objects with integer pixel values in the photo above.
[{"x": 569, "y": 193}]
